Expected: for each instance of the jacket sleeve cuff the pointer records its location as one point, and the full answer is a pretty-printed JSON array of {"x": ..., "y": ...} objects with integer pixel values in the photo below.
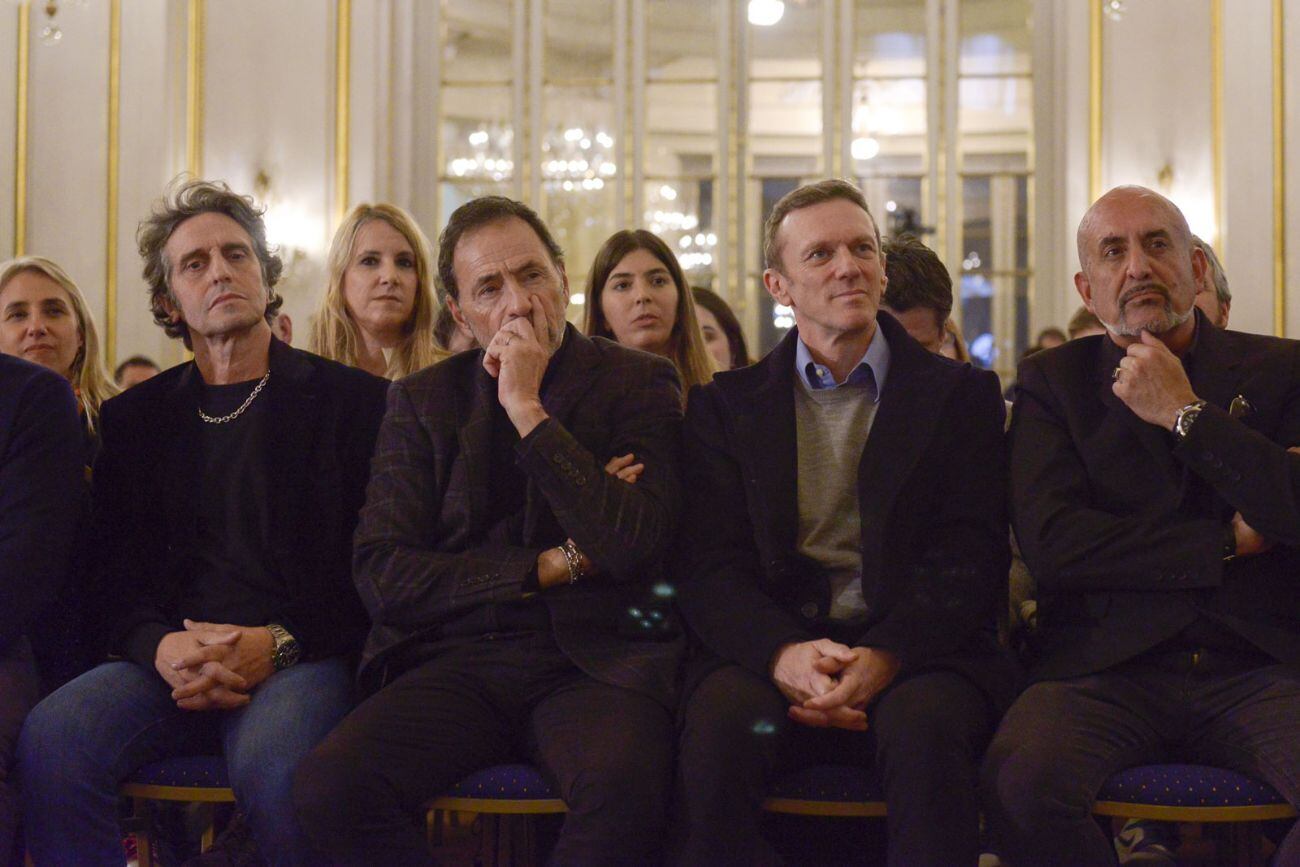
[{"x": 141, "y": 644}]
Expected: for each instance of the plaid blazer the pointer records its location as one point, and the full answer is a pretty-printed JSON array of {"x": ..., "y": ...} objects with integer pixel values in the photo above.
[{"x": 422, "y": 558}]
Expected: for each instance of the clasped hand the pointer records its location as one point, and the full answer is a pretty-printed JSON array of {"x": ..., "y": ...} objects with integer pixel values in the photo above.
[
  {"x": 830, "y": 684},
  {"x": 213, "y": 666}
]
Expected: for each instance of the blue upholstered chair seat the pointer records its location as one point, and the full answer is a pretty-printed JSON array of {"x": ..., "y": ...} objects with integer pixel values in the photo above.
[
  {"x": 205, "y": 772},
  {"x": 1187, "y": 786},
  {"x": 827, "y": 790},
  {"x": 505, "y": 783},
  {"x": 829, "y": 783}
]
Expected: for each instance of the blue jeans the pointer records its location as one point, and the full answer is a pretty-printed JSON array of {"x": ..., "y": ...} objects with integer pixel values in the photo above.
[{"x": 81, "y": 742}]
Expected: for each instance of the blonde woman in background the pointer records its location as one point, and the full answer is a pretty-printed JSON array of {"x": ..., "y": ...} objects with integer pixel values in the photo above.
[
  {"x": 44, "y": 319},
  {"x": 637, "y": 296},
  {"x": 378, "y": 311}
]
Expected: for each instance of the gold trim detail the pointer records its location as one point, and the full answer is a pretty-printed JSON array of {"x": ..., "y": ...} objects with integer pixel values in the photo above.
[
  {"x": 1162, "y": 813},
  {"x": 188, "y": 794},
  {"x": 1279, "y": 170},
  {"x": 20, "y": 131},
  {"x": 114, "y": 151},
  {"x": 500, "y": 806},
  {"x": 194, "y": 74},
  {"x": 1094, "y": 99},
  {"x": 342, "y": 106},
  {"x": 803, "y": 807}
]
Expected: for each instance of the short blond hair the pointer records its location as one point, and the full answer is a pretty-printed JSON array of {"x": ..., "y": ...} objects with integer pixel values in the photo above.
[
  {"x": 334, "y": 331},
  {"x": 88, "y": 376}
]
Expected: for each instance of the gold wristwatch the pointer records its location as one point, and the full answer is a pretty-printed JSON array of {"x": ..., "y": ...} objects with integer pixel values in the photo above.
[{"x": 287, "y": 650}]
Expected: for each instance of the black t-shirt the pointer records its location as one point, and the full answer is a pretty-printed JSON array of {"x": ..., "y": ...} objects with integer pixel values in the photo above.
[{"x": 232, "y": 576}]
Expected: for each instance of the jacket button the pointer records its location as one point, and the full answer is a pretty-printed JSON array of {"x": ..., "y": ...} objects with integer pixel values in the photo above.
[{"x": 809, "y": 610}]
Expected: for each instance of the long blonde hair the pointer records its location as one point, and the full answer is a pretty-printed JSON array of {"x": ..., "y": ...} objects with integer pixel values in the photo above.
[
  {"x": 334, "y": 331},
  {"x": 88, "y": 376},
  {"x": 686, "y": 342}
]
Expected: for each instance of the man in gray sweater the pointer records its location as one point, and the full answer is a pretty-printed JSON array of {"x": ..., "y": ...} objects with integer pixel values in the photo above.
[{"x": 844, "y": 552}]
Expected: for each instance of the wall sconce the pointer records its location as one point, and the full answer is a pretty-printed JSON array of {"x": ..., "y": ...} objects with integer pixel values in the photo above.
[{"x": 295, "y": 233}]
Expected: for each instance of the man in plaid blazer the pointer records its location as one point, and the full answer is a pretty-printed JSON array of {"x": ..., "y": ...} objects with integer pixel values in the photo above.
[{"x": 508, "y": 575}]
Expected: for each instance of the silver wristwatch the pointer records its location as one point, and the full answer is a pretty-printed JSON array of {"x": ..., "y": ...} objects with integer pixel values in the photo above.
[
  {"x": 287, "y": 650},
  {"x": 1187, "y": 415}
]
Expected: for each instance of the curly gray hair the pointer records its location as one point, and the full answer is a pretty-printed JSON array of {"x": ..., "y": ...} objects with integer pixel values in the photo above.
[{"x": 187, "y": 198}]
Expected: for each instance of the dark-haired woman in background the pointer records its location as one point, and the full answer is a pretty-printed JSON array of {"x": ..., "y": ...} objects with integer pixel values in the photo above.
[
  {"x": 722, "y": 335},
  {"x": 637, "y": 296}
]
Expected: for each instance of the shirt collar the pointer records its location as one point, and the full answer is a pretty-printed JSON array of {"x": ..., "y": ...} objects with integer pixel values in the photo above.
[{"x": 869, "y": 373}]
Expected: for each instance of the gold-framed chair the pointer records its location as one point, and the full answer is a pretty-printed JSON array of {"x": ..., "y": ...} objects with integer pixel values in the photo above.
[
  {"x": 1199, "y": 794},
  {"x": 185, "y": 779},
  {"x": 507, "y": 797},
  {"x": 828, "y": 790}
]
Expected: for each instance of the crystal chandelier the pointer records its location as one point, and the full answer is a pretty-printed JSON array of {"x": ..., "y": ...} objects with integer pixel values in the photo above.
[
  {"x": 50, "y": 33},
  {"x": 574, "y": 159}
]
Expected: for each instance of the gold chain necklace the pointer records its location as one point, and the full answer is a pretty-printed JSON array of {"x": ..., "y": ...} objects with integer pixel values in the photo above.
[{"x": 243, "y": 406}]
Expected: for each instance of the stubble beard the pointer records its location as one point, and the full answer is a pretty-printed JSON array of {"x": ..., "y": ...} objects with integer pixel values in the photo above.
[{"x": 1166, "y": 321}]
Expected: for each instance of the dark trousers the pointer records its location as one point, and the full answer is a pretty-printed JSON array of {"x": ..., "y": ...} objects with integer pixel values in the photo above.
[
  {"x": 925, "y": 735},
  {"x": 1062, "y": 739},
  {"x": 361, "y": 793},
  {"x": 19, "y": 690}
]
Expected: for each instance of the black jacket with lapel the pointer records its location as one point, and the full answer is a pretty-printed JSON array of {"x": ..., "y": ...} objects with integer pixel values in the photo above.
[
  {"x": 931, "y": 493},
  {"x": 322, "y": 419},
  {"x": 1123, "y": 527},
  {"x": 424, "y": 559}
]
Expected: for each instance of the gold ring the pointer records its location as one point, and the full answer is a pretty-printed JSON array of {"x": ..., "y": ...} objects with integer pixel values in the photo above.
[{"x": 1114, "y": 374}]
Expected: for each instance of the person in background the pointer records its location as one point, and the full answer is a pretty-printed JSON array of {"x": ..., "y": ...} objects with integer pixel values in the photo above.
[
  {"x": 42, "y": 492},
  {"x": 449, "y": 335},
  {"x": 1049, "y": 338},
  {"x": 1213, "y": 296},
  {"x": 723, "y": 336},
  {"x": 225, "y": 500},
  {"x": 378, "y": 309},
  {"x": 954, "y": 345},
  {"x": 919, "y": 292},
  {"x": 44, "y": 319},
  {"x": 1084, "y": 323},
  {"x": 637, "y": 296},
  {"x": 134, "y": 371}
]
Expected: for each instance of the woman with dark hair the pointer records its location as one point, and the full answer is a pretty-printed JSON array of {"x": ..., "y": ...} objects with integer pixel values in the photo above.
[
  {"x": 721, "y": 329},
  {"x": 637, "y": 296}
]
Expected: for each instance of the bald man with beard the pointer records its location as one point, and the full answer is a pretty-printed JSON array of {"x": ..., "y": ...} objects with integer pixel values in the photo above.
[{"x": 1157, "y": 506}]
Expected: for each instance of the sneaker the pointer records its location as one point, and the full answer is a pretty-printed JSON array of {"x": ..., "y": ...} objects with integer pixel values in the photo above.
[{"x": 1143, "y": 841}]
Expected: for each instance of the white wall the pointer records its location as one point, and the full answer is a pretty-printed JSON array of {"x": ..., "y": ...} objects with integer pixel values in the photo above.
[
  {"x": 1158, "y": 130},
  {"x": 270, "y": 103}
]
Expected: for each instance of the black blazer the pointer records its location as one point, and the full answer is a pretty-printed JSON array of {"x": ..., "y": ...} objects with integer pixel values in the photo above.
[
  {"x": 1123, "y": 528},
  {"x": 42, "y": 489},
  {"x": 321, "y": 425},
  {"x": 422, "y": 557},
  {"x": 931, "y": 493}
]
